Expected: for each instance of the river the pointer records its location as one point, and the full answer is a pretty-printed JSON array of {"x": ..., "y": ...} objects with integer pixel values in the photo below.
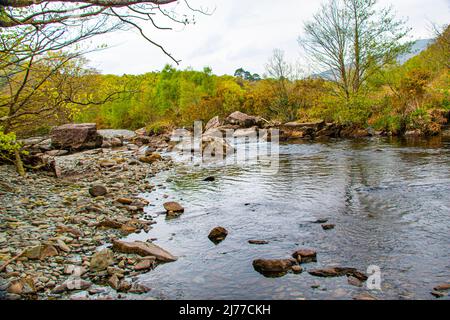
[{"x": 388, "y": 198}]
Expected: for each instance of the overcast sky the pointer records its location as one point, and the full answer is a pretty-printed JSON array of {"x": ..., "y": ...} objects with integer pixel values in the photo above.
[{"x": 240, "y": 34}]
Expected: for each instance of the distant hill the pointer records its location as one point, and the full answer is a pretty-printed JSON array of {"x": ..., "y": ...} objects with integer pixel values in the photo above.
[{"x": 417, "y": 47}]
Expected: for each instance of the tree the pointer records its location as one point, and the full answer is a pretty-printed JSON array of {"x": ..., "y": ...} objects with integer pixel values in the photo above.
[
  {"x": 282, "y": 75},
  {"x": 246, "y": 75},
  {"x": 353, "y": 40}
]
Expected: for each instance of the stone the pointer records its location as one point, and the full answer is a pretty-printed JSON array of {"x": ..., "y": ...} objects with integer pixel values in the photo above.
[
  {"x": 101, "y": 260},
  {"x": 216, "y": 147},
  {"x": 258, "y": 242},
  {"x": 273, "y": 267},
  {"x": 354, "y": 281},
  {"x": 62, "y": 245},
  {"x": 173, "y": 209},
  {"x": 442, "y": 287},
  {"x": 72, "y": 285},
  {"x": 76, "y": 137},
  {"x": 364, "y": 296},
  {"x": 124, "y": 286},
  {"x": 22, "y": 286},
  {"x": 218, "y": 234},
  {"x": 114, "y": 282},
  {"x": 143, "y": 249},
  {"x": 98, "y": 191},
  {"x": 213, "y": 123},
  {"x": 145, "y": 264},
  {"x": 66, "y": 229},
  {"x": 209, "y": 179},
  {"x": 56, "y": 153},
  {"x": 297, "y": 269},
  {"x": 438, "y": 294},
  {"x": 107, "y": 163},
  {"x": 138, "y": 289},
  {"x": 40, "y": 252},
  {"x": 125, "y": 201},
  {"x": 154, "y": 157},
  {"x": 338, "y": 272},
  {"x": 243, "y": 120},
  {"x": 305, "y": 255},
  {"x": 328, "y": 226}
]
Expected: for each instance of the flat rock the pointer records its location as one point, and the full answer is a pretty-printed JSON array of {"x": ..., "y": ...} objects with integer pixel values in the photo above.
[
  {"x": 442, "y": 287},
  {"x": 338, "y": 272},
  {"x": 258, "y": 242},
  {"x": 273, "y": 267},
  {"x": 72, "y": 285},
  {"x": 143, "y": 249},
  {"x": 173, "y": 207}
]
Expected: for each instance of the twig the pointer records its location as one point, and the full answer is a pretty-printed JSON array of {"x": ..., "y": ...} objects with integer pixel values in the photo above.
[{"x": 11, "y": 260}]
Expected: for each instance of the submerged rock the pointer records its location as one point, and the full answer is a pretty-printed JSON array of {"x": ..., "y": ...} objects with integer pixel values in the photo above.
[
  {"x": 143, "y": 249},
  {"x": 258, "y": 242},
  {"x": 328, "y": 226},
  {"x": 218, "y": 234},
  {"x": 338, "y": 272}
]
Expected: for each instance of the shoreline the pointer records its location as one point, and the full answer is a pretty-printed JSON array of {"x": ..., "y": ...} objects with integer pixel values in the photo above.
[{"x": 56, "y": 226}]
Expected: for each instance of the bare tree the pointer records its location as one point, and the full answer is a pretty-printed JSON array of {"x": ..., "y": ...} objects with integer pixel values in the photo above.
[
  {"x": 282, "y": 74},
  {"x": 353, "y": 40}
]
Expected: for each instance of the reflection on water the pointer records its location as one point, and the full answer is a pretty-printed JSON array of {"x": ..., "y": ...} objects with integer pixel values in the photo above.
[{"x": 388, "y": 199}]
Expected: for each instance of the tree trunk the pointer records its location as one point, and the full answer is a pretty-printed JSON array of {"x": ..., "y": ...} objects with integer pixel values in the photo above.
[{"x": 18, "y": 163}]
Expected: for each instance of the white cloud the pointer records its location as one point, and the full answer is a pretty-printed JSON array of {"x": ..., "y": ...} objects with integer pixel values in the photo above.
[{"x": 240, "y": 34}]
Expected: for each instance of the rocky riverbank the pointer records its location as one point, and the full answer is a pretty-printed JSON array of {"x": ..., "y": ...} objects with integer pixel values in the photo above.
[
  {"x": 51, "y": 227},
  {"x": 61, "y": 226}
]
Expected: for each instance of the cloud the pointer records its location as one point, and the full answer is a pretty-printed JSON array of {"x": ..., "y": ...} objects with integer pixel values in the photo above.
[{"x": 240, "y": 34}]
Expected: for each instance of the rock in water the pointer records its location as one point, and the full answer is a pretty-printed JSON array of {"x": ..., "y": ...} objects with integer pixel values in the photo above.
[
  {"x": 305, "y": 255},
  {"x": 76, "y": 137},
  {"x": 98, "y": 191},
  {"x": 173, "y": 209},
  {"x": 328, "y": 226},
  {"x": 209, "y": 179},
  {"x": 258, "y": 242},
  {"x": 218, "y": 234},
  {"x": 101, "y": 260},
  {"x": 338, "y": 272},
  {"x": 273, "y": 268},
  {"x": 143, "y": 249}
]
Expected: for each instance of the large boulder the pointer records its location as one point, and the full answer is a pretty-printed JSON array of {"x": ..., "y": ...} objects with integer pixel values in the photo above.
[
  {"x": 76, "y": 137},
  {"x": 243, "y": 120}
]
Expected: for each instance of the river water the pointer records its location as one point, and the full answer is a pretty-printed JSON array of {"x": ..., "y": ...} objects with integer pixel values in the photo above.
[{"x": 389, "y": 200}]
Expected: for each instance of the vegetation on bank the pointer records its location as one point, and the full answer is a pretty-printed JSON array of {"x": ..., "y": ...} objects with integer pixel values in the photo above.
[{"x": 396, "y": 99}]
